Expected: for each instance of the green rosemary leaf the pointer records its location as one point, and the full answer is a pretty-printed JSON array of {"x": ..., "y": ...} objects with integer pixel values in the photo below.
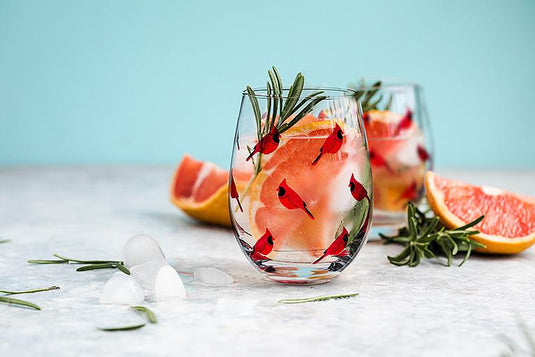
[
  {"x": 150, "y": 315},
  {"x": 279, "y": 81},
  {"x": 467, "y": 255},
  {"x": 256, "y": 110},
  {"x": 5, "y": 241},
  {"x": 124, "y": 269},
  {"x": 304, "y": 101},
  {"x": 122, "y": 328},
  {"x": 389, "y": 102},
  {"x": 471, "y": 224},
  {"x": 314, "y": 299},
  {"x": 97, "y": 266},
  {"x": 19, "y": 302},
  {"x": 302, "y": 113},
  {"x": 29, "y": 291},
  {"x": 87, "y": 261},
  {"x": 293, "y": 95},
  {"x": 38, "y": 261},
  {"x": 402, "y": 258},
  {"x": 269, "y": 117}
]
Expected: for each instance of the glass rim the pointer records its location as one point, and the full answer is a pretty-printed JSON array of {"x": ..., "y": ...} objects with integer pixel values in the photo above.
[
  {"x": 341, "y": 92},
  {"x": 389, "y": 84}
]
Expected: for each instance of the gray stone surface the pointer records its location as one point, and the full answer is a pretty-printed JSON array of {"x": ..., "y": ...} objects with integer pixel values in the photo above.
[{"x": 85, "y": 212}]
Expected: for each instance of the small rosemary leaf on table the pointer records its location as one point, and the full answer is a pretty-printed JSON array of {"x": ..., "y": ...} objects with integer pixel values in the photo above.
[
  {"x": 4, "y": 241},
  {"x": 314, "y": 299},
  {"x": 150, "y": 315},
  {"x": 40, "y": 261},
  {"x": 97, "y": 266},
  {"x": 122, "y": 328},
  {"x": 29, "y": 291},
  {"x": 87, "y": 261},
  {"x": 19, "y": 302}
]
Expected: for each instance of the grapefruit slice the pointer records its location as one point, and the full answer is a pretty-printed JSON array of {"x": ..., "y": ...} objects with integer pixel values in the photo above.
[
  {"x": 200, "y": 190},
  {"x": 509, "y": 224},
  {"x": 292, "y": 161}
]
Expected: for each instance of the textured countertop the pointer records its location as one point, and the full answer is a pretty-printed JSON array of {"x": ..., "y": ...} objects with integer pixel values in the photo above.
[{"x": 89, "y": 212}]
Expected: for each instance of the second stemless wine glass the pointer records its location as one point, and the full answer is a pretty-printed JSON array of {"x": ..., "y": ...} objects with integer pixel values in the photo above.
[
  {"x": 300, "y": 186},
  {"x": 399, "y": 140}
]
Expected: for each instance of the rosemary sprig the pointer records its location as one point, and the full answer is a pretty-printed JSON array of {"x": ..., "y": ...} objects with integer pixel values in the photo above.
[
  {"x": 282, "y": 113},
  {"x": 121, "y": 328},
  {"x": 425, "y": 237},
  {"x": 314, "y": 299},
  {"x": 19, "y": 302},
  {"x": 9, "y": 292},
  {"x": 90, "y": 264},
  {"x": 150, "y": 316},
  {"x": 367, "y": 96}
]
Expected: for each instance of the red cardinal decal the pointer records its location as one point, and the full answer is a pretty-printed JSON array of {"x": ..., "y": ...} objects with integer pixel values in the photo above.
[
  {"x": 336, "y": 247},
  {"x": 410, "y": 193},
  {"x": 332, "y": 144},
  {"x": 357, "y": 189},
  {"x": 405, "y": 122},
  {"x": 378, "y": 161},
  {"x": 263, "y": 246},
  {"x": 234, "y": 191},
  {"x": 422, "y": 153},
  {"x": 290, "y": 199},
  {"x": 267, "y": 144}
]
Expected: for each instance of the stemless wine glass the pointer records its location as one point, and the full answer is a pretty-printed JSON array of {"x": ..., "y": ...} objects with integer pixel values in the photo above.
[
  {"x": 300, "y": 187},
  {"x": 397, "y": 128}
]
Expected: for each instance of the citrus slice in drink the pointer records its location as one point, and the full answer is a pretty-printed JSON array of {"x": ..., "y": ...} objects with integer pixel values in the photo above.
[
  {"x": 316, "y": 185},
  {"x": 200, "y": 189},
  {"x": 509, "y": 223}
]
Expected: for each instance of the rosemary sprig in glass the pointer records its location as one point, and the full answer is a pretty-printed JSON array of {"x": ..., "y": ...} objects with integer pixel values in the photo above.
[
  {"x": 89, "y": 264},
  {"x": 314, "y": 299},
  {"x": 282, "y": 112},
  {"x": 368, "y": 96},
  {"x": 425, "y": 237}
]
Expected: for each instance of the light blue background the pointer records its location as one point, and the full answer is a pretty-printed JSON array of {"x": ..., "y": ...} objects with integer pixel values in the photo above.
[{"x": 146, "y": 81}]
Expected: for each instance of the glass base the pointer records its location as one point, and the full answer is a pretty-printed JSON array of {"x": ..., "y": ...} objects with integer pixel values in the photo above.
[{"x": 300, "y": 273}]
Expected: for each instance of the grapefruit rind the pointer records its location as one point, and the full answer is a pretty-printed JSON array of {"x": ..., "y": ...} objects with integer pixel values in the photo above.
[
  {"x": 214, "y": 209},
  {"x": 494, "y": 244}
]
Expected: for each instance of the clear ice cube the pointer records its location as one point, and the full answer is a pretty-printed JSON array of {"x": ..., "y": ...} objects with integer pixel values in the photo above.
[
  {"x": 212, "y": 276},
  {"x": 121, "y": 289},
  {"x": 145, "y": 274},
  {"x": 168, "y": 285},
  {"x": 140, "y": 249}
]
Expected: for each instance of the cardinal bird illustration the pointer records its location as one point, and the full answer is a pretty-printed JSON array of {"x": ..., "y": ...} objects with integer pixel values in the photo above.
[
  {"x": 336, "y": 247},
  {"x": 405, "y": 122},
  {"x": 290, "y": 199},
  {"x": 422, "y": 153},
  {"x": 267, "y": 144},
  {"x": 263, "y": 246},
  {"x": 410, "y": 193},
  {"x": 234, "y": 191},
  {"x": 357, "y": 189},
  {"x": 378, "y": 161},
  {"x": 332, "y": 144}
]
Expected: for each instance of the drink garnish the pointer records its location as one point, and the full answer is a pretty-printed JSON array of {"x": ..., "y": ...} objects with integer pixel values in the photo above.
[{"x": 425, "y": 237}]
